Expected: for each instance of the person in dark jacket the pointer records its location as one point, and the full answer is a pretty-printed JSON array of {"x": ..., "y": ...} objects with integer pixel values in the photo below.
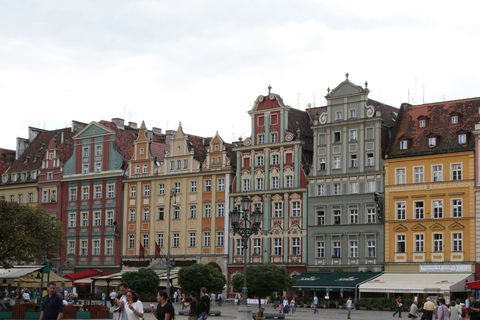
[
  {"x": 52, "y": 306},
  {"x": 203, "y": 305}
]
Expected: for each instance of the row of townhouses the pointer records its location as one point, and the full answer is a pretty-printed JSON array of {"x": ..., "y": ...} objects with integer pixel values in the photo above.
[{"x": 355, "y": 186}]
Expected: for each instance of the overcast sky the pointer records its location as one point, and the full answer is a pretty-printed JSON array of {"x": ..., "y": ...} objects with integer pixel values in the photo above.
[{"x": 203, "y": 63}]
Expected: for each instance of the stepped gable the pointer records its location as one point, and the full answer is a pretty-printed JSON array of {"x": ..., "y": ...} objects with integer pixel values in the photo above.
[
  {"x": 7, "y": 157},
  {"x": 438, "y": 124}
]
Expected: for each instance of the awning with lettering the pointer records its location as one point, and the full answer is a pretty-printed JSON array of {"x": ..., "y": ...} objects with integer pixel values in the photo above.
[
  {"x": 321, "y": 281},
  {"x": 418, "y": 282}
]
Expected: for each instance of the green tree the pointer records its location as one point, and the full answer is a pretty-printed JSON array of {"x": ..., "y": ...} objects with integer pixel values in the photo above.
[
  {"x": 263, "y": 280},
  {"x": 144, "y": 282},
  {"x": 197, "y": 275},
  {"x": 28, "y": 233}
]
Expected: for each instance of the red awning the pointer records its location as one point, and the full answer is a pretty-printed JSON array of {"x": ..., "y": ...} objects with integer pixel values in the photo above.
[
  {"x": 76, "y": 277},
  {"x": 474, "y": 285}
]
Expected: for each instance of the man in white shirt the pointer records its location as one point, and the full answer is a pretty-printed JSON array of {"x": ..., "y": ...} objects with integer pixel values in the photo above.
[
  {"x": 26, "y": 297},
  {"x": 349, "y": 306}
]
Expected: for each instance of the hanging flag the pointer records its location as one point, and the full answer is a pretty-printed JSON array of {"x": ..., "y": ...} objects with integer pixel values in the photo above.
[
  {"x": 158, "y": 251},
  {"x": 141, "y": 255}
]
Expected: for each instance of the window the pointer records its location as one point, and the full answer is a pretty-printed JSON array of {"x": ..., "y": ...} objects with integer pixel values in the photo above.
[
  {"x": 97, "y": 218},
  {"x": 145, "y": 168},
  {"x": 275, "y": 183},
  {"x": 323, "y": 165},
  {"x": 259, "y": 183},
  {"x": 83, "y": 247},
  {"x": 206, "y": 239},
  {"x": 457, "y": 208},
  {"x": 220, "y": 210},
  {"x": 98, "y": 192},
  {"x": 179, "y": 164},
  {"x": 295, "y": 208},
  {"x": 53, "y": 196},
  {"x": 176, "y": 213},
  {"x": 353, "y": 187},
  {"x": 84, "y": 221},
  {"x": 30, "y": 196},
  {"x": 419, "y": 243},
  {"x": 207, "y": 213},
  {"x": 353, "y": 113},
  {"x": 160, "y": 240},
  {"x": 437, "y": 209},
  {"x": 401, "y": 210},
  {"x": 145, "y": 241},
  {"x": 161, "y": 213},
  {"x": 457, "y": 244},
  {"x": 274, "y": 137},
  {"x": 71, "y": 247},
  {"x": 146, "y": 190},
  {"x": 422, "y": 123},
  {"x": 370, "y": 160},
  {"x": 437, "y": 242},
  {"x": 85, "y": 168},
  {"x": 208, "y": 185},
  {"x": 337, "y": 189},
  {"x": 457, "y": 171},
  {"x": 193, "y": 186},
  {"x": 239, "y": 247},
  {"x": 275, "y": 159},
  {"x": 49, "y": 176},
  {"x": 86, "y": 152},
  {"x": 353, "y": 161},
  {"x": 401, "y": 245},
  {"x": 72, "y": 220},
  {"x": 419, "y": 210},
  {"x": 403, "y": 144},
  {"x": 146, "y": 214},
  {"x": 246, "y": 185},
  {"x": 109, "y": 247},
  {"x": 220, "y": 239},
  {"x": 371, "y": 215},
  {"x": 321, "y": 190},
  {"x": 221, "y": 184},
  {"x": 177, "y": 187},
  {"x": 418, "y": 174},
  {"x": 353, "y": 216},
  {"x": 321, "y": 216},
  {"x": 185, "y": 164},
  {"x": 261, "y": 139},
  {"x": 289, "y": 181},
  {"x": 98, "y": 167},
  {"x": 336, "y": 249},
  {"x": 256, "y": 246},
  {"x": 400, "y": 176},
  {"x": 161, "y": 188},
  {"x": 339, "y": 115},
  {"x": 462, "y": 138},
  {"x": 353, "y": 249},
  {"x": 98, "y": 150},
  {"x": 336, "y": 136},
  {"x": 110, "y": 190},
  {"x": 131, "y": 241},
  {"x": 193, "y": 212},
  {"x": 109, "y": 218},
  {"x": 192, "y": 239},
  {"x": 371, "y": 186},
  {"x": 133, "y": 191},
  {"x": 454, "y": 119},
  {"x": 337, "y": 216},
  {"x": 277, "y": 210},
  {"x": 277, "y": 246},
  {"x": 96, "y": 248},
  {"x": 320, "y": 249},
  {"x": 336, "y": 162},
  {"x": 137, "y": 169},
  {"x": 437, "y": 173},
  {"x": 371, "y": 248},
  {"x": 45, "y": 196},
  {"x": 85, "y": 193},
  {"x": 172, "y": 165},
  {"x": 353, "y": 135},
  {"x": 432, "y": 142},
  {"x": 296, "y": 246},
  {"x": 260, "y": 161},
  {"x": 176, "y": 240}
]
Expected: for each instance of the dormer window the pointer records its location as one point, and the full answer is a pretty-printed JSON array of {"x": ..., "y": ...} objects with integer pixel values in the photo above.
[
  {"x": 462, "y": 138},
  {"x": 422, "y": 123},
  {"x": 454, "y": 119},
  {"x": 432, "y": 142},
  {"x": 403, "y": 144}
]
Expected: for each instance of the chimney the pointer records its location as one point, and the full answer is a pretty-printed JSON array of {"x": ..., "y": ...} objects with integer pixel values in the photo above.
[
  {"x": 77, "y": 126},
  {"x": 169, "y": 136},
  {"x": 22, "y": 145},
  {"x": 133, "y": 125},
  {"x": 120, "y": 123},
  {"x": 33, "y": 133},
  {"x": 157, "y": 131}
]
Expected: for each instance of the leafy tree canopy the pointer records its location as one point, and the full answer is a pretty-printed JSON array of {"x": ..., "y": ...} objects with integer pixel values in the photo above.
[
  {"x": 263, "y": 280},
  {"x": 144, "y": 282},
  {"x": 28, "y": 233},
  {"x": 197, "y": 275}
]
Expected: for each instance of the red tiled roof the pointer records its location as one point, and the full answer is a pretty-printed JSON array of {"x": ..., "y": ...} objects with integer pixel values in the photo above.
[
  {"x": 438, "y": 124},
  {"x": 199, "y": 145},
  {"x": 7, "y": 157},
  {"x": 158, "y": 149},
  {"x": 124, "y": 139}
]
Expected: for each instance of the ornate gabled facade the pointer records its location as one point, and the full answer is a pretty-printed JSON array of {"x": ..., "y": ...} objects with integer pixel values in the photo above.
[
  {"x": 272, "y": 168},
  {"x": 185, "y": 190},
  {"x": 430, "y": 188},
  {"x": 92, "y": 195},
  {"x": 345, "y": 223}
]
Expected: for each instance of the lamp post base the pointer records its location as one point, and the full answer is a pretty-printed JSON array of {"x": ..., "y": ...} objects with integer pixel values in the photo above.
[{"x": 244, "y": 313}]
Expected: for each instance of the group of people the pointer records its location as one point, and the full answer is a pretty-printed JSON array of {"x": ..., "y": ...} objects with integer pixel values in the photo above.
[
  {"x": 21, "y": 295},
  {"x": 178, "y": 296}
]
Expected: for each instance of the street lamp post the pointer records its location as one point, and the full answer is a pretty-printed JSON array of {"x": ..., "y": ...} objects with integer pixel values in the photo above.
[
  {"x": 46, "y": 270},
  {"x": 173, "y": 193},
  {"x": 245, "y": 224}
]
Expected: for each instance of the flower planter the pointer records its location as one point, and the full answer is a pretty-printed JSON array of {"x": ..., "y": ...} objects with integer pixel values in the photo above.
[
  {"x": 83, "y": 315},
  {"x": 6, "y": 315},
  {"x": 363, "y": 308},
  {"x": 32, "y": 315}
]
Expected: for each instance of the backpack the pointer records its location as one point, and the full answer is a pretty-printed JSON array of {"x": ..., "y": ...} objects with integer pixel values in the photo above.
[{"x": 464, "y": 312}]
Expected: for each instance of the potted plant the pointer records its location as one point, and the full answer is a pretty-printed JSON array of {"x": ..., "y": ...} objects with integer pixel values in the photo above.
[
  {"x": 382, "y": 303},
  {"x": 374, "y": 304},
  {"x": 305, "y": 301},
  {"x": 362, "y": 303},
  {"x": 340, "y": 302}
]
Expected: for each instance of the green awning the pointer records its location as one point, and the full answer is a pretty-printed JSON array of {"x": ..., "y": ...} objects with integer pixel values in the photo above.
[{"x": 321, "y": 281}]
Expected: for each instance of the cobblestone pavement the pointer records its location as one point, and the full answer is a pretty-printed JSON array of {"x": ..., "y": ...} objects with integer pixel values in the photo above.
[{"x": 229, "y": 311}]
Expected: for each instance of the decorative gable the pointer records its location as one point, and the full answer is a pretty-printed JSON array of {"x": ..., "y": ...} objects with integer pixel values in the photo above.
[
  {"x": 456, "y": 226},
  {"x": 400, "y": 228},
  {"x": 93, "y": 129},
  {"x": 437, "y": 227},
  {"x": 418, "y": 227}
]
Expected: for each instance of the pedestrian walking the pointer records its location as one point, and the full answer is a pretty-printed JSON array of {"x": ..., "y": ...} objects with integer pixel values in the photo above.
[
  {"x": 349, "y": 307},
  {"x": 52, "y": 306},
  {"x": 398, "y": 307}
]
